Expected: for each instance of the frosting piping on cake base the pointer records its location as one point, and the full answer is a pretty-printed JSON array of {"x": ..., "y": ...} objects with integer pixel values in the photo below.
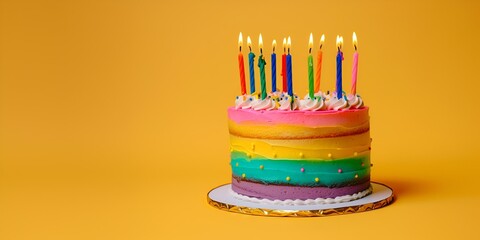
[{"x": 297, "y": 202}]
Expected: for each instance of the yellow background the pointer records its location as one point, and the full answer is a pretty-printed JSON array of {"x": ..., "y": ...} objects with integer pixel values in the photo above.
[{"x": 113, "y": 114}]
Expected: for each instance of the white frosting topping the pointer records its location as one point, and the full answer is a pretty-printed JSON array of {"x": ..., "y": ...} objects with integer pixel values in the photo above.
[
  {"x": 282, "y": 101},
  {"x": 297, "y": 202},
  {"x": 265, "y": 104},
  {"x": 244, "y": 101},
  {"x": 354, "y": 101},
  {"x": 315, "y": 104},
  {"x": 286, "y": 103},
  {"x": 337, "y": 104}
]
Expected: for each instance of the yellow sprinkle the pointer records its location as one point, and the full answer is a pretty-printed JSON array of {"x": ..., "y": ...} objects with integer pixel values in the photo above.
[
  {"x": 236, "y": 164},
  {"x": 329, "y": 155},
  {"x": 355, "y": 153},
  {"x": 356, "y": 175},
  {"x": 243, "y": 175},
  {"x": 316, "y": 179},
  {"x": 301, "y": 154},
  {"x": 261, "y": 167},
  {"x": 287, "y": 178}
]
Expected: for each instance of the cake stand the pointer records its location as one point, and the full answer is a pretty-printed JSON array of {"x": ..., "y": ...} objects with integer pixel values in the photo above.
[{"x": 223, "y": 198}]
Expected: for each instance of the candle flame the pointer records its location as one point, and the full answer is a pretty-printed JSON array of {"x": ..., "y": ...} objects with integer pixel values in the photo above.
[
  {"x": 354, "y": 40},
  {"x": 274, "y": 44},
  {"x": 310, "y": 43},
  {"x": 322, "y": 40},
  {"x": 284, "y": 45},
  {"x": 249, "y": 43},
  {"x": 260, "y": 43},
  {"x": 289, "y": 44},
  {"x": 339, "y": 42},
  {"x": 240, "y": 41}
]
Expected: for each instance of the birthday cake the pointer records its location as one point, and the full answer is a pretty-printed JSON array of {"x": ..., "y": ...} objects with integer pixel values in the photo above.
[{"x": 284, "y": 148}]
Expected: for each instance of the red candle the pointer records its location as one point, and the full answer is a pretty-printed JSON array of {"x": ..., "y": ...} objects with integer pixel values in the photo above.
[
  {"x": 284, "y": 66},
  {"x": 241, "y": 65}
]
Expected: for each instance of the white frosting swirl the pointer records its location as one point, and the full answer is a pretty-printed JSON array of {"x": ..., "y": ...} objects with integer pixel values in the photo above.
[
  {"x": 244, "y": 101},
  {"x": 354, "y": 101},
  {"x": 337, "y": 104},
  {"x": 286, "y": 103},
  {"x": 265, "y": 104},
  {"x": 315, "y": 104}
]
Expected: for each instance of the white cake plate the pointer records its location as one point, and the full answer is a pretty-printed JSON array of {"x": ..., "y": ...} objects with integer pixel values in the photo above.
[{"x": 224, "y": 198}]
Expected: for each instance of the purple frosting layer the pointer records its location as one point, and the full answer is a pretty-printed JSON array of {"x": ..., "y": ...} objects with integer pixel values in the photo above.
[{"x": 283, "y": 192}]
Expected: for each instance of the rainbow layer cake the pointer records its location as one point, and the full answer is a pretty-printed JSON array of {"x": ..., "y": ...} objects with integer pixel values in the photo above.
[{"x": 299, "y": 154}]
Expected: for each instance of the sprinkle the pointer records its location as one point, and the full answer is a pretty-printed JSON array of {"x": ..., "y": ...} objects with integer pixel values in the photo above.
[
  {"x": 236, "y": 164},
  {"x": 300, "y": 154},
  {"x": 302, "y": 169},
  {"x": 355, "y": 153},
  {"x": 275, "y": 155},
  {"x": 340, "y": 170},
  {"x": 363, "y": 164},
  {"x": 356, "y": 175},
  {"x": 317, "y": 179},
  {"x": 329, "y": 155},
  {"x": 287, "y": 178},
  {"x": 261, "y": 167},
  {"x": 243, "y": 175}
]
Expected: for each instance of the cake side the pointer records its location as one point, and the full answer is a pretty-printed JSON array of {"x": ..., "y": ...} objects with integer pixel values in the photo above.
[{"x": 299, "y": 154}]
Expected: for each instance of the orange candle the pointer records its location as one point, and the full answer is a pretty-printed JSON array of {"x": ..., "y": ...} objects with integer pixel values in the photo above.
[
  {"x": 241, "y": 65},
  {"x": 319, "y": 65}
]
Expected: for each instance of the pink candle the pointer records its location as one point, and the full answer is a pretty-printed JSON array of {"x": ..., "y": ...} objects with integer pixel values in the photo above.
[{"x": 355, "y": 65}]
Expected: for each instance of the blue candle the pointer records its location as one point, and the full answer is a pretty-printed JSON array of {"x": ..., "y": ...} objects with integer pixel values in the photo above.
[
  {"x": 251, "y": 57},
  {"x": 289, "y": 69},
  {"x": 274, "y": 67},
  {"x": 339, "y": 67}
]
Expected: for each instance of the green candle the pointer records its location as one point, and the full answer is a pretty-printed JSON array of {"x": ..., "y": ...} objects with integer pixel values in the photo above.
[
  {"x": 311, "y": 92},
  {"x": 261, "y": 65}
]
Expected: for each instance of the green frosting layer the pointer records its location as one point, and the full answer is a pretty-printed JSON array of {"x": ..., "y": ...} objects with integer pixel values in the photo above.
[{"x": 330, "y": 173}]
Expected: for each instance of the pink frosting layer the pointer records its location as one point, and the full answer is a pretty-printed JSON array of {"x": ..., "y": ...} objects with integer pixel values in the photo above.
[{"x": 348, "y": 118}]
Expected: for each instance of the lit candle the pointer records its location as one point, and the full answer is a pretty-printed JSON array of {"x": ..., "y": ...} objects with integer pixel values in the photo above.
[
  {"x": 355, "y": 65},
  {"x": 284, "y": 67},
  {"x": 274, "y": 67},
  {"x": 339, "y": 66},
  {"x": 319, "y": 65},
  {"x": 310, "y": 68},
  {"x": 241, "y": 65},
  {"x": 289, "y": 68},
  {"x": 261, "y": 65},
  {"x": 251, "y": 57}
]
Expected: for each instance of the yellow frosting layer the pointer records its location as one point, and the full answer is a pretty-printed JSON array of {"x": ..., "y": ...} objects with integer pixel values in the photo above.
[
  {"x": 303, "y": 149},
  {"x": 281, "y": 131}
]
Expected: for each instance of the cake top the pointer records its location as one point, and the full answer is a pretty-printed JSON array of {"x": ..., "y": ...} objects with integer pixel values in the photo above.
[{"x": 285, "y": 99}]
